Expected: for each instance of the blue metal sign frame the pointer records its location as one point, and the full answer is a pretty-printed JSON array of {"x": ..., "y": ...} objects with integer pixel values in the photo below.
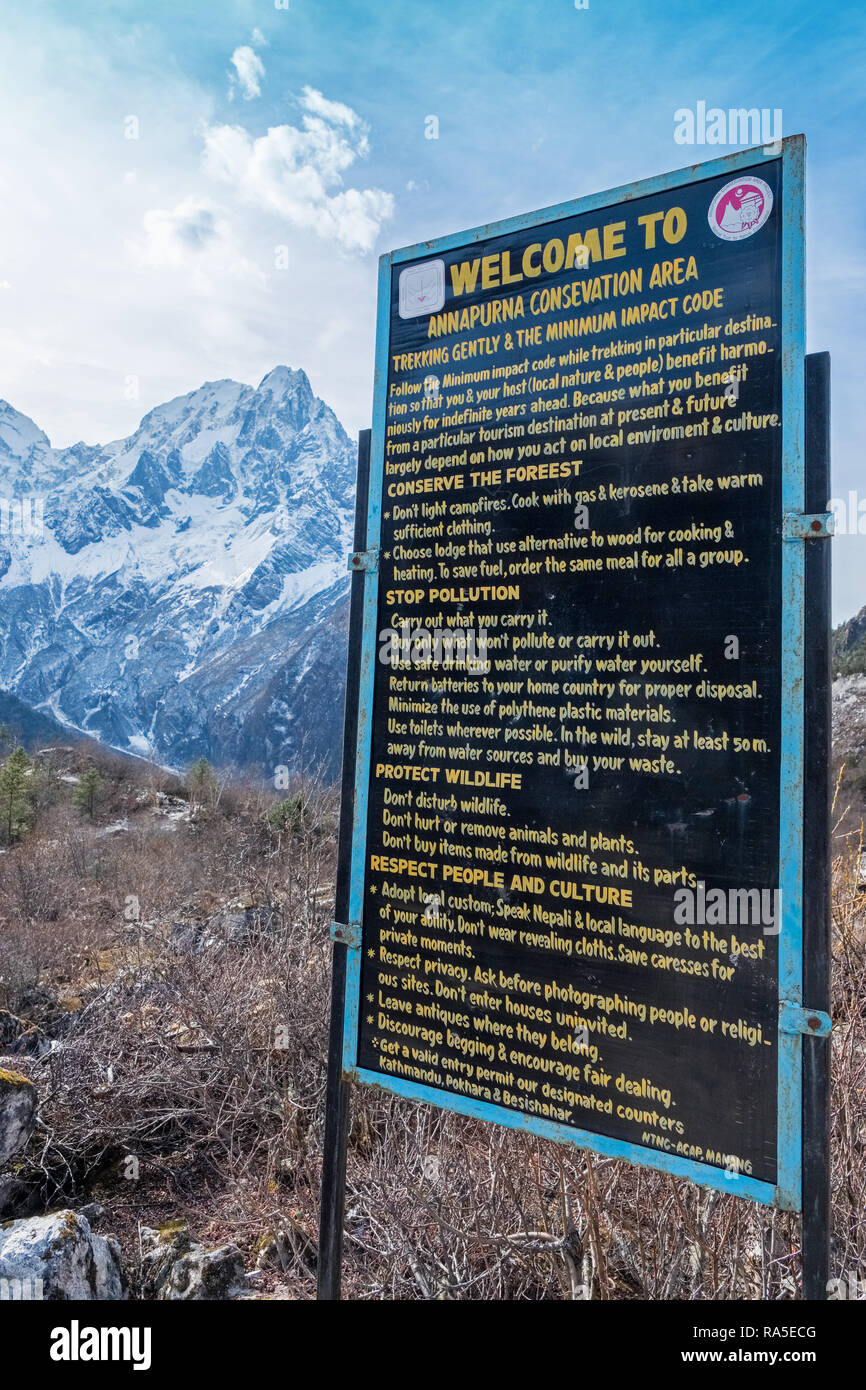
[{"x": 786, "y": 1193}]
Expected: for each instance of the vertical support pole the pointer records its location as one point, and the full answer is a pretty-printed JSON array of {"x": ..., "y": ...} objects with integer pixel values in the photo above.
[
  {"x": 333, "y": 1192},
  {"x": 816, "y": 841}
]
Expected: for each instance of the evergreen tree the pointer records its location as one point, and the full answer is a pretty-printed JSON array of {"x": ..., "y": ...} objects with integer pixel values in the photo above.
[
  {"x": 15, "y": 794},
  {"x": 87, "y": 790},
  {"x": 202, "y": 784},
  {"x": 291, "y": 816}
]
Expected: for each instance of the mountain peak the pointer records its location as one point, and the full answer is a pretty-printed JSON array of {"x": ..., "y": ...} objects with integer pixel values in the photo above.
[
  {"x": 183, "y": 574},
  {"x": 281, "y": 379},
  {"x": 19, "y": 436}
]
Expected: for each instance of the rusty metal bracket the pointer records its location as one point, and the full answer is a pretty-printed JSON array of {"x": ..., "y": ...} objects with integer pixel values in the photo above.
[
  {"x": 349, "y": 934},
  {"x": 364, "y": 561},
  {"x": 794, "y": 1018},
  {"x": 807, "y": 526}
]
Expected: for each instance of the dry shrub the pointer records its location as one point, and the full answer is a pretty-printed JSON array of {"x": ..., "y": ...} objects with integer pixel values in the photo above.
[{"x": 191, "y": 1082}]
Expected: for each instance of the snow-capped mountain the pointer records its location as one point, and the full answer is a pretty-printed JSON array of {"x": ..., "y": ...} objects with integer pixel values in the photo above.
[{"x": 182, "y": 592}]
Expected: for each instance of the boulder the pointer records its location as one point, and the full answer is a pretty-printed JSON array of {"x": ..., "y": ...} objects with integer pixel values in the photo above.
[
  {"x": 18, "y": 1105},
  {"x": 159, "y": 1251},
  {"x": 60, "y": 1255},
  {"x": 206, "y": 1274},
  {"x": 243, "y": 926},
  {"x": 230, "y": 927},
  {"x": 177, "y": 1268},
  {"x": 93, "y": 1213},
  {"x": 187, "y": 937}
]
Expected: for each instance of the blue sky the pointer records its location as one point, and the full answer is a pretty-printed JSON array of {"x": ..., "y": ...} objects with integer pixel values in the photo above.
[{"x": 280, "y": 150}]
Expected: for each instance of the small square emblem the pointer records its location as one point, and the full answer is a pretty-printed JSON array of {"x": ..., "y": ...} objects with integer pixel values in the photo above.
[{"x": 422, "y": 289}]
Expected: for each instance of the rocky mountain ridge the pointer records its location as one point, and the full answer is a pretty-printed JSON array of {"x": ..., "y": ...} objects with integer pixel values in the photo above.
[{"x": 182, "y": 592}]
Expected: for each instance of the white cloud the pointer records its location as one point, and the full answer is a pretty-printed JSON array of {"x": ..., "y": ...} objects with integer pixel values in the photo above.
[
  {"x": 250, "y": 71},
  {"x": 172, "y": 237},
  {"x": 168, "y": 277},
  {"x": 194, "y": 237},
  {"x": 297, "y": 173},
  {"x": 333, "y": 111}
]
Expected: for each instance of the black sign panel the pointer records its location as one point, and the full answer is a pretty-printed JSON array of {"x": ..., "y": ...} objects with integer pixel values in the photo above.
[{"x": 569, "y": 796}]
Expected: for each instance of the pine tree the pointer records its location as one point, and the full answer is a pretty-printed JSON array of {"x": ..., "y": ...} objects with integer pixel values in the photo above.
[
  {"x": 202, "y": 784},
  {"x": 15, "y": 798},
  {"x": 290, "y": 817},
  {"x": 87, "y": 790}
]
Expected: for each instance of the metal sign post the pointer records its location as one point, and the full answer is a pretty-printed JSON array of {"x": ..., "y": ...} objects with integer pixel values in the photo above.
[
  {"x": 333, "y": 1190},
  {"x": 816, "y": 840}
]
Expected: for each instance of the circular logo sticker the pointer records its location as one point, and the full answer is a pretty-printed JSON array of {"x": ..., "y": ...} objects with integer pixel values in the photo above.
[{"x": 740, "y": 208}]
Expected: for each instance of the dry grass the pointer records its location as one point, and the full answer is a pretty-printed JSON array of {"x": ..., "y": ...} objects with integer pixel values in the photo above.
[{"x": 190, "y": 1083}]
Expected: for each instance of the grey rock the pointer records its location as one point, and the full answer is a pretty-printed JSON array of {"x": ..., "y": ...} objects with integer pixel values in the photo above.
[
  {"x": 243, "y": 926},
  {"x": 61, "y": 1251},
  {"x": 18, "y": 1106},
  {"x": 187, "y": 936},
  {"x": 159, "y": 1251},
  {"x": 203, "y": 1275},
  {"x": 179, "y": 1269},
  {"x": 93, "y": 1213},
  {"x": 235, "y": 927}
]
